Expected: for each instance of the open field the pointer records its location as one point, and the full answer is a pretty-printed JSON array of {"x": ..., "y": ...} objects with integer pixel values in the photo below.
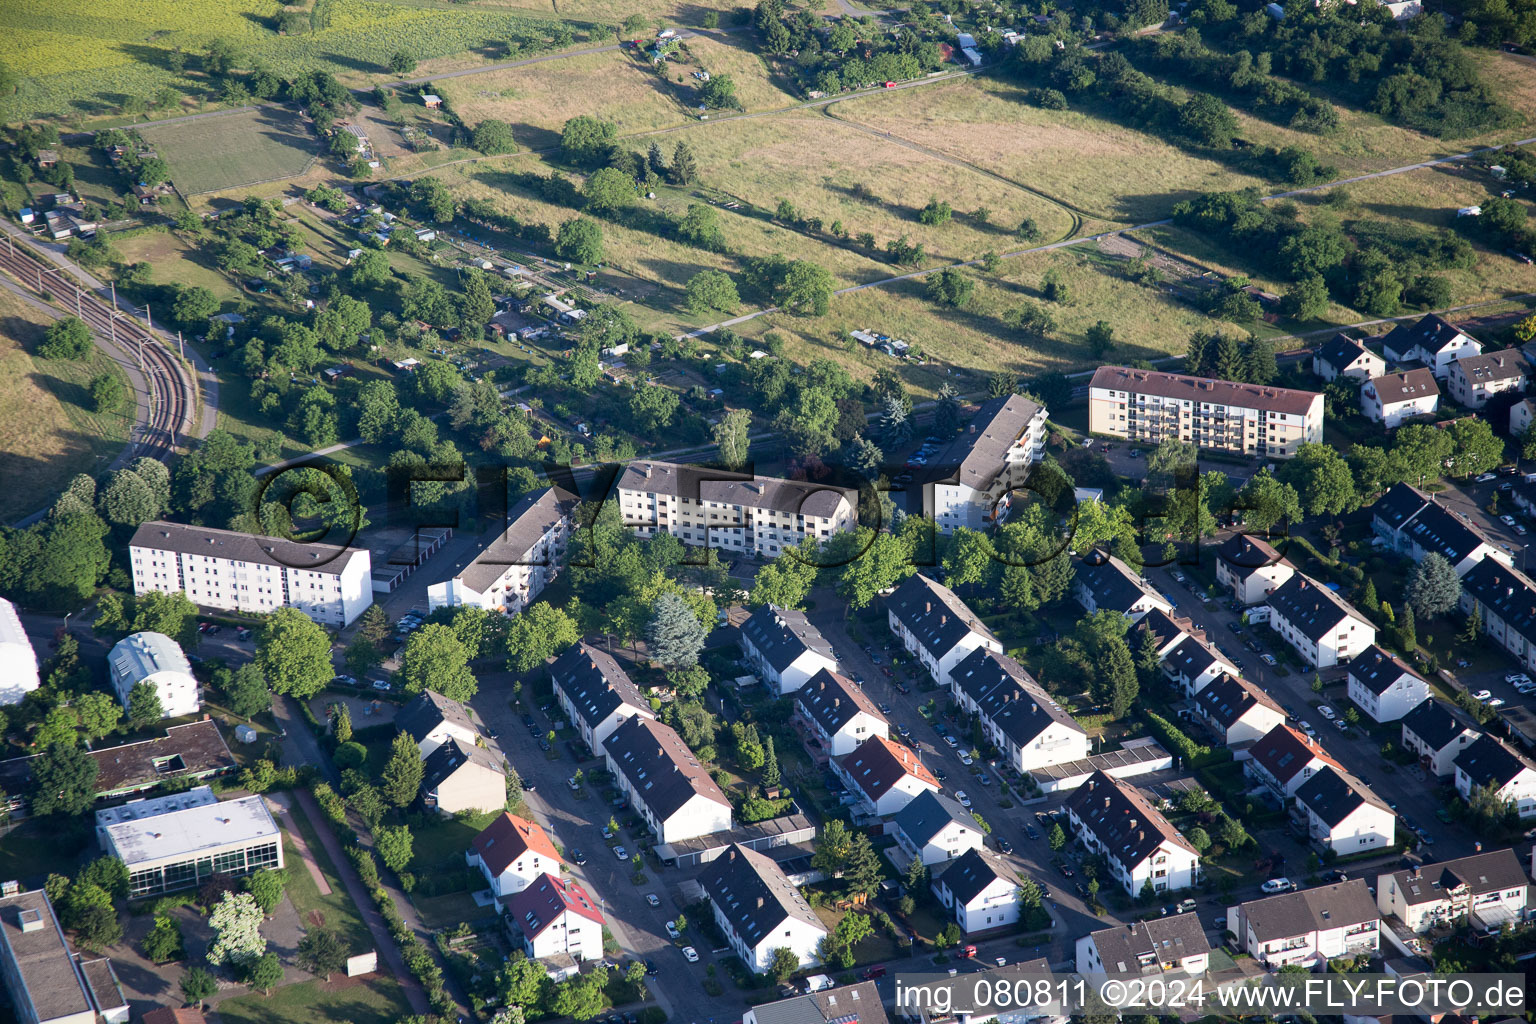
[
  {"x": 335, "y": 911},
  {"x": 370, "y": 999},
  {"x": 673, "y": 12},
  {"x": 172, "y": 261},
  {"x": 47, "y": 431},
  {"x": 237, "y": 149}
]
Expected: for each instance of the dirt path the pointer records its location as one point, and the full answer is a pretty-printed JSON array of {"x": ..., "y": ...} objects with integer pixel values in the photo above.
[{"x": 284, "y": 811}]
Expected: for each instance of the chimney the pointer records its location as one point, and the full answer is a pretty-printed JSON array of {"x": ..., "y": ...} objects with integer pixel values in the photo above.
[
  {"x": 647, "y": 470},
  {"x": 1106, "y": 803},
  {"x": 928, "y": 608},
  {"x": 759, "y": 903}
]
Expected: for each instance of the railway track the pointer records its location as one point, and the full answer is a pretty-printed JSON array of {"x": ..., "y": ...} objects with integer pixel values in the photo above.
[{"x": 171, "y": 394}]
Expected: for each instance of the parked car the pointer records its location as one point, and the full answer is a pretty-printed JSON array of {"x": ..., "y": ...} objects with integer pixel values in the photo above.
[
  {"x": 1004, "y": 845},
  {"x": 1185, "y": 906},
  {"x": 1234, "y": 627},
  {"x": 653, "y": 899},
  {"x": 1277, "y": 885},
  {"x": 1268, "y": 659},
  {"x": 690, "y": 954},
  {"x": 381, "y": 685},
  {"x": 950, "y": 739},
  {"x": 672, "y": 932},
  {"x": 1327, "y": 712},
  {"x": 578, "y": 856},
  {"x": 574, "y": 785},
  {"x": 965, "y": 759},
  {"x": 1484, "y": 478},
  {"x": 344, "y": 681},
  {"x": 962, "y": 799},
  {"x": 1029, "y": 830},
  {"x": 1482, "y": 695}
]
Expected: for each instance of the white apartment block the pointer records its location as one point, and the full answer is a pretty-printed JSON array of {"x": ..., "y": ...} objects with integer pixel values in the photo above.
[
  {"x": 156, "y": 659},
  {"x": 1247, "y": 419},
  {"x": 752, "y": 515},
  {"x": 979, "y": 466},
  {"x": 1140, "y": 845},
  {"x": 18, "y": 661},
  {"x": 1383, "y": 686},
  {"x": 1475, "y": 379},
  {"x": 245, "y": 572},
  {"x": 511, "y": 572},
  {"x": 1431, "y": 341}
]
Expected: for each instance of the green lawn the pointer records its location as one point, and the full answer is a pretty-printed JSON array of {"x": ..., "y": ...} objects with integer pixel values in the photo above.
[
  {"x": 443, "y": 844},
  {"x": 216, "y": 153},
  {"x": 373, "y": 999},
  {"x": 32, "y": 850},
  {"x": 335, "y": 911}
]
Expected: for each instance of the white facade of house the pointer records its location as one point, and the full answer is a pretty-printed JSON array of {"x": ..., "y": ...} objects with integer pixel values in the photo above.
[
  {"x": 1404, "y": 694},
  {"x": 946, "y": 845},
  {"x": 941, "y": 661},
  {"x": 511, "y": 572},
  {"x": 1519, "y": 791},
  {"x": 1440, "y": 756},
  {"x": 1252, "y": 586},
  {"x": 156, "y": 659},
  {"x": 1345, "y": 636},
  {"x": 1368, "y": 827},
  {"x": 1316, "y": 925},
  {"x": 1384, "y": 401},
  {"x": 1484, "y": 890},
  {"x": 996, "y": 906}
]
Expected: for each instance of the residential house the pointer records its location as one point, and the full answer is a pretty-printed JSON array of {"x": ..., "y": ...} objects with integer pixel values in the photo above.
[
  {"x": 981, "y": 890},
  {"x": 510, "y": 572},
  {"x": 1414, "y": 524},
  {"x": 1343, "y": 356},
  {"x": 935, "y": 626},
  {"x": 1221, "y": 415},
  {"x": 844, "y": 1004},
  {"x": 1140, "y": 845},
  {"x": 555, "y": 916},
  {"x": 459, "y": 776},
  {"x": 1016, "y": 714},
  {"x": 1238, "y": 711},
  {"x": 1521, "y": 415},
  {"x": 1475, "y": 379},
  {"x": 1431, "y": 341},
  {"x": 1251, "y": 568},
  {"x": 885, "y": 775},
  {"x": 1491, "y": 764},
  {"x": 512, "y": 853},
  {"x": 759, "y": 909},
  {"x": 1159, "y": 946},
  {"x": 156, "y": 659},
  {"x": 1485, "y": 890},
  {"x": 975, "y": 472},
  {"x": 1383, "y": 686},
  {"x": 1285, "y": 758},
  {"x": 1105, "y": 583},
  {"x": 1343, "y": 815},
  {"x": 664, "y": 782},
  {"x": 784, "y": 648},
  {"x": 935, "y": 829},
  {"x": 595, "y": 693},
  {"x": 1394, "y": 398},
  {"x": 1308, "y": 927},
  {"x": 1167, "y": 631},
  {"x": 1194, "y": 664},
  {"x": 1320, "y": 625},
  {"x": 1436, "y": 733},
  {"x": 838, "y": 713},
  {"x": 1505, "y": 601},
  {"x": 433, "y": 720}
]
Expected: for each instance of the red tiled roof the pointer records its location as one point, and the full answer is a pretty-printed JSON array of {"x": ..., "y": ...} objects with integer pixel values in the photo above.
[
  {"x": 1284, "y": 751},
  {"x": 508, "y": 838},
  {"x": 879, "y": 764},
  {"x": 546, "y": 899}
]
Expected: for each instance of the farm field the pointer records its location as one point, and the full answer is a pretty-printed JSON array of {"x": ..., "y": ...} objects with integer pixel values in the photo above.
[
  {"x": 232, "y": 150},
  {"x": 47, "y": 431}
]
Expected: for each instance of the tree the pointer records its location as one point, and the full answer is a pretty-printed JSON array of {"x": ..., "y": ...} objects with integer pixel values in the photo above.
[
  {"x": 321, "y": 953},
  {"x": 685, "y": 170},
  {"x": 266, "y": 973},
  {"x": 144, "y": 705},
  {"x": 1057, "y": 838},
  {"x": 1433, "y": 586},
  {"x": 541, "y": 631},
  {"x": 806, "y": 289},
  {"x": 106, "y": 392},
  {"x": 674, "y": 637},
  {"x": 770, "y": 774},
  {"x": 237, "y": 921},
  {"x": 1206, "y": 120},
  {"x": 586, "y": 140},
  {"x": 163, "y": 942},
  {"x": 403, "y": 772},
  {"x": 950, "y": 287},
  {"x": 194, "y": 306},
  {"x": 1321, "y": 478},
  {"x": 719, "y": 93},
  {"x": 731, "y": 437},
  {"x": 608, "y": 190},
  {"x": 580, "y": 240},
  {"x": 853, "y": 929},
  {"x": 712, "y": 290},
  {"x": 266, "y": 888},
  {"x": 198, "y": 985},
  {"x": 63, "y": 780},
  {"x": 1100, "y": 339},
  {"x": 435, "y": 659},
  {"x": 885, "y": 562},
  {"x": 394, "y": 846},
  {"x": 293, "y": 653},
  {"x": 493, "y": 137},
  {"x": 221, "y": 57},
  {"x": 99, "y": 714},
  {"x": 1267, "y": 502},
  {"x": 246, "y": 693},
  {"x": 67, "y": 338},
  {"x": 403, "y": 63},
  {"x": 1419, "y": 452},
  {"x": 1476, "y": 449},
  {"x": 1307, "y": 299}
]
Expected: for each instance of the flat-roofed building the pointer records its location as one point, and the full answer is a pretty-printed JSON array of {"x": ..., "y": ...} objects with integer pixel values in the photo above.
[
  {"x": 1221, "y": 415},
  {"x": 246, "y": 572},
  {"x": 737, "y": 512},
  {"x": 512, "y": 570},
  {"x": 47, "y": 983},
  {"x": 156, "y": 659},
  {"x": 182, "y": 840},
  {"x": 975, "y": 471}
]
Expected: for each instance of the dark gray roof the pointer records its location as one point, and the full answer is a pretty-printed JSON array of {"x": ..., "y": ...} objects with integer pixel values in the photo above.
[
  {"x": 1490, "y": 762},
  {"x": 972, "y": 872},
  {"x": 846, "y": 1004},
  {"x": 660, "y": 768},
  {"x": 1509, "y": 594},
  {"x": 1307, "y": 910},
  {"x": 767, "y": 492},
  {"x": 1193, "y": 656},
  {"x": 933, "y": 614},
  {"x": 1245, "y": 553},
  {"x": 783, "y": 634},
  {"x": 1113, "y": 584},
  {"x": 1333, "y": 795},
  {"x": 1406, "y": 386},
  {"x": 532, "y": 517},
  {"x": 1008, "y": 696},
  {"x": 1165, "y": 627},
  {"x": 1141, "y": 947},
  {"x": 1491, "y": 366},
  {"x": 978, "y": 455},
  {"x": 1311, "y": 607},
  {"x": 1341, "y": 350},
  {"x": 832, "y": 700},
  {"x": 594, "y": 683},
  {"x": 754, "y": 895},
  {"x": 1435, "y": 723},
  {"x": 1124, "y": 821},
  {"x": 242, "y": 547},
  {"x": 452, "y": 756},
  {"x": 1377, "y": 669},
  {"x": 1432, "y": 333},
  {"x": 42, "y": 959},
  {"x": 1430, "y": 525},
  {"x": 1226, "y": 699},
  {"x": 928, "y": 814},
  {"x": 427, "y": 711},
  {"x": 1399, "y": 504},
  {"x": 1480, "y": 873}
]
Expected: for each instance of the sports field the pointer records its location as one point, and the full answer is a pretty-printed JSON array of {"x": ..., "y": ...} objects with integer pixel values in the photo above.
[{"x": 213, "y": 153}]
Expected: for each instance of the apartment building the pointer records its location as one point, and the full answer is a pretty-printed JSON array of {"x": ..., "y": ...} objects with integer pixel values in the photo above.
[
  {"x": 1485, "y": 890},
  {"x": 18, "y": 661},
  {"x": 838, "y": 713},
  {"x": 1413, "y": 524},
  {"x": 459, "y": 776},
  {"x": 156, "y": 659},
  {"x": 432, "y": 720},
  {"x": 1023, "y": 721},
  {"x": 1394, "y": 398},
  {"x": 1343, "y": 356},
  {"x": 1431, "y": 341},
  {"x": 1475, "y": 379},
  {"x": 1161, "y": 945},
  {"x": 246, "y": 572},
  {"x": 1140, "y": 845},
  {"x": 1247, "y": 419},
  {"x": 1321, "y": 626},
  {"x": 1194, "y": 663},
  {"x": 595, "y": 693},
  {"x": 759, "y": 909},
  {"x": 1251, "y": 568},
  {"x": 1505, "y": 600},
  {"x": 1284, "y": 758},
  {"x": 992, "y": 455},
  {"x": 512, "y": 570},
  {"x": 1309, "y": 927},
  {"x": 48, "y": 983},
  {"x": 936, "y": 627},
  {"x": 1436, "y": 733},
  {"x": 739, "y": 513},
  {"x": 1105, "y": 583},
  {"x": 1383, "y": 686}
]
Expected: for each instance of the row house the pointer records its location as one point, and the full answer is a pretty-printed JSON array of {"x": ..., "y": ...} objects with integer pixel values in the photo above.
[
  {"x": 1430, "y": 340},
  {"x": 1141, "y": 949},
  {"x": 980, "y": 890},
  {"x": 1016, "y": 714},
  {"x": 1505, "y": 601},
  {"x": 759, "y": 910},
  {"x": 1343, "y": 815},
  {"x": 1140, "y": 845},
  {"x": 1319, "y": 625},
  {"x": 1414, "y": 525},
  {"x": 1285, "y": 758},
  {"x": 1383, "y": 686},
  {"x": 1238, "y": 711},
  {"x": 784, "y": 648},
  {"x": 838, "y": 713},
  {"x": 1437, "y": 733},
  {"x": 512, "y": 853},
  {"x": 1309, "y": 927},
  {"x": 1475, "y": 379},
  {"x": 1485, "y": 890},
  {"x": 936, "y": 627},
  {"x": 1343, "y": 356},
  {"x": 1491, "y": 764},
  {"x": 595, "y": 693},
  {"x": 1251, "y": 568},
  {"x": 885, "y": 775},
  {"x": 664, "y": 782},
  {"x": 936, "y": 830},
  {"x": 514, "y": 568},
  {"x": 1105, "y": 583}
]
